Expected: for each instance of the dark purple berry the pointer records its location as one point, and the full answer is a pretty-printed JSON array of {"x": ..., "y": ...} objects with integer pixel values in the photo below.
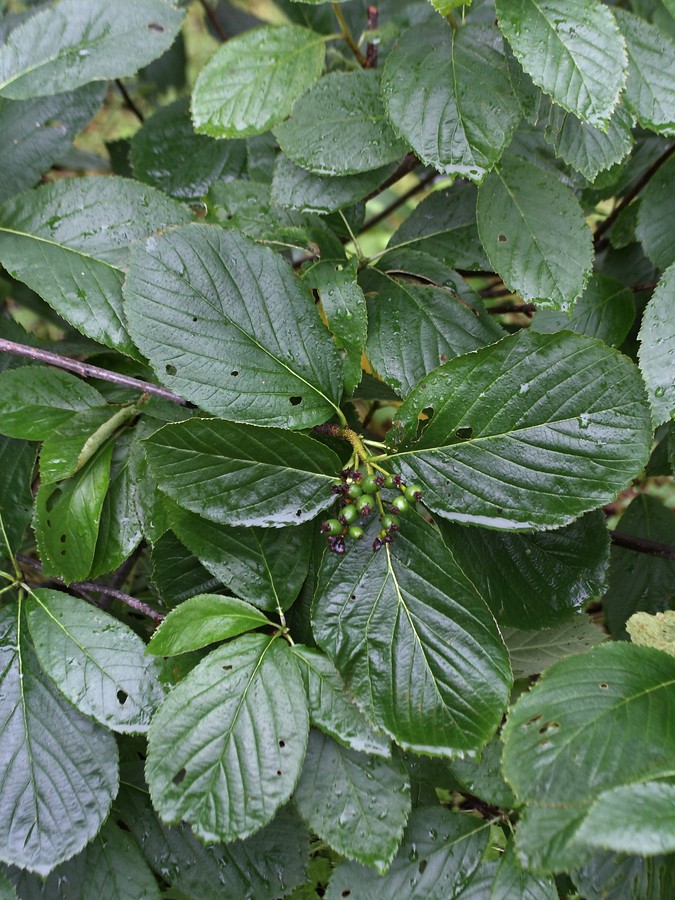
[{"x": 377, "y": 544}]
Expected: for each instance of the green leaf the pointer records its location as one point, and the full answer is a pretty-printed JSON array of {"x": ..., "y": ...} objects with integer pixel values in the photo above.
[
  {"x": 7, "y": 891},
  {"x": 365, "y": 801},
  {"x": 202, "y": 620},
  {"x": 226, "y": 747},
  {"x": 332, "y": 710},
  {"x": 650, "y": 88},
  {"x": 444, "y": 226},
  {"x": 639, "y": 582},
  {"x": 177, "y": 574},
  {"x": 227, "y": 325},
  {"x": 521, "y": 437},
  {"x": 264, "y": 566},
  {"x": 68, "y": 45},
  {"x": 295, "y": 188},
  {"x": 586, "y": 148},
  {"x": 483, "y": 777},
  {"x": 67, "y": 517},
  {"x": 339, "y": 126},
  {"x": 572, "y": 49},
  {"x": 409, "y": 633},
  {"x": 415, "y": 328},
  {"x": 37, "y": 132},
  {"x": 656, "y": 219},
  {"x": 513, "y": 881},
  {"x": 168, "y": 154},
  {"x": 534, "y": 233},
  {"x": 447, "y": 92},
  {"x": 69, "y": 241},
  {"x": 36, "y": 400},
  {"x": 543, "y": 576},
  {"x": 251, "y": 82},
  {"x": 239, "y": 475},
  {"x": 639, "y": 818},
  {"x": 605, "y": 310},
  {"x": 96, "y": 662},
  {"x": 444, "y": 7},
  {"x": 613, "y": 876},
  {"x": 440, "y": 852},
  {"x": 17, "y": 462},
  {"x": 60, "y": 768},
  {"x": 532, "y": 652},
  {"x": 657, "y": 348}
]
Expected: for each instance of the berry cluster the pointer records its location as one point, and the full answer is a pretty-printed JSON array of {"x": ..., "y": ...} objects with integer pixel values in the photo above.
[{"x": 359, "y": 493}]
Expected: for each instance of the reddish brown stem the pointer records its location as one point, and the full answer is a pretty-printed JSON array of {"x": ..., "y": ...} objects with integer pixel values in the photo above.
[{"x": 641, "y": 545}]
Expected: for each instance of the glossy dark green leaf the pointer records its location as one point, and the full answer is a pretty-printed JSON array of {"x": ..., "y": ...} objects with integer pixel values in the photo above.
[
  {"x": 239, "y": 475},
  {"x": 415, "y": 328},
  {"x": 447, "y": 92},
  {"x": 543, "y": 576},
  {"x": 586, "y": 148},
  {"x": 572, "y": 49},
  {"x": 251, "y": 83},
  {"x": 202, "y": 620},
  {"x": 339, "y": 127},
  {"x": 37, "y": 132},
  {"x": 264, "y": 566},
  {"x": 440, "y": 852},
  {"x": 483, "y": 777},
  {"x": 533, "y": 651},
  {"x": 96, "y": 662},
  {"x": 168, "y": 154},
  {"x": 655, "y": 217},
  {"x": 60, "y": 768},
  {"x": 650, "y": 87},
  {"x": 521, "y": 437},
  {"x": 227, "y": 324},
  {"x": 332, "y": 710},
  {"x": 534, "y": 233},
  {"x": 409, "y": 633},
  {"x": 67, "y": 517},
  {"x": 614, "y": 876},
  {"x": 17, "y": 462},
  {"x": 226, "y": 747},
  {"x": 512, "y": 881},
  {"x": 69, "y": 242},
  {"x": 67, "y": 45},
  {"x": 657, "y": 348},
  {"x": 639, "y": 818},
  {"x": 296, "y": 188},
  {"x": 605, "y": 310},
  {"x": 640, "y": 582},
  {"x": 365, "y": 801},
  {"x": 177, "y": 574}
]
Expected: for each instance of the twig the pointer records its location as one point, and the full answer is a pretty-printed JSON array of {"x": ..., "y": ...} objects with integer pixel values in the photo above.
[
  {"x": 399, "y": 201},
  {"x": 347, "y": 35},
  {"x": 409, "y": 163},
  {"x": 641, "y": 545},
  {"x": 88, "y": 371},
  {"x": 478, "y": 273},
  {"x": 629, "y": 197},
  {"x": 528, "y": 309},
  {"x": 213, "y": 19},
  {"x": 644, "y": 286},
  {"x": 131, "y": 602},
  {"x": 371, "y": 47},
  {"x": 129, "y": 102}
]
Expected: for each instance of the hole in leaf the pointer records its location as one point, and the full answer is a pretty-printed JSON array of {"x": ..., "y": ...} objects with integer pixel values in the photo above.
[
  {"x": 295, "y": 400},
  {"x": 298, "y": 512},
  {"x": 603, "y": 685},
  {"x": 227, "y": 668},
  {"x": 63, "y": 538},
  {"x": 282, "y": 743},
  {"x": 63, "y": 553},
  {"x": 141, "y": 756},
  {"x": 194, "y": 319},
  {"x": 122, "y": 697},
  {"x": 352, "y": 596},
  {"x": 155, "y": 26},
  {"x": 464, "y": 433},
  {"x": 534, "y": 719},
  {"x": 502, "y": 238},
  {"x": 170, "y": 370},
  {"x": 443, "y": 358},
  {"x": 179, "y": 776},
  {"x": 422, "y": 866},
  {"x": 549, "y": 728},
  {"x": 234, "y": 373},
  {"x": 278, "y": 771},
  {"x": 122, "y": 825},
  {"x": 49, "y": 524},
  {"x": 345, "y": 893},
  {"x": 52, "y": 500}
]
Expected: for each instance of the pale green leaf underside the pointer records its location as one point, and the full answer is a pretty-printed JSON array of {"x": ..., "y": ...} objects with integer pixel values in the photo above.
[
  {"x": 657, "y": 348},
  {"x": 586, "y": 148},
  {"x": 637, "y": 819},
  {"x": 656, "y": 216},
  {"x": 528, "y": 433},
  {"x": 532, "y": 652},
  {"x": 69, "y": 44},
  {"x": 251, "y": 83},
  {"x": 572, "y": 49}
]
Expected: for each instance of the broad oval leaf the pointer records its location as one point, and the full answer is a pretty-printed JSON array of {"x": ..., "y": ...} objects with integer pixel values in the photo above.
[
  {"x": 638, "y": 819},
  {"x": 203, "y": 620},
  {"x": 60, "y": 768},
  {"x": 227, "y": 325},
  {"x": 239, "y": 475},
  {"x": 96, "y": 662},
  {"x": 69, "y": 44},
  {"x": 409, "y": 634},
  {"x": 265, "y": 566},
  {"x": 534, "y": 233},
  {"x": 615, "y": 876},
  {"x": 657, "y": 348},
  {"x": 522, "y": 438},
  {"x": 532, "y": 652},
  {"x": 339, "y": 126},
  {"x": 447, "y": 92},
  {"x": 365, "y": 801},
  {"x": 69, "y": 242},
  {"x": 226, "y": 747},
  {"x": 586, "y": 148},
  {"x": 415, "y": 328},
  {"x": 440, "y": 853},
  {"x": 252, "y": 81},
  {"x": 656, "y": 218},
  {"x": 572, "y": 49},
  {"x": 17, "y": 462}
]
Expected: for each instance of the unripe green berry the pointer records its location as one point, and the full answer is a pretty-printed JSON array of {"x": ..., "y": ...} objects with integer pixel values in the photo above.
[
  {"x": 399, "y": 504},
  {"x": 390, "y": 481},
  {"x": 348, "y": 515},
  {"x": 364, "y": 505},
  {"x": 331, "y": 526},
  {"x": 414, "y": 492},
  {"x": 391, "y": 523},
  {"x": 356, "y": 532},
  {"x": 370, "y": 484},
  {"x": 354, "y": 490}
]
